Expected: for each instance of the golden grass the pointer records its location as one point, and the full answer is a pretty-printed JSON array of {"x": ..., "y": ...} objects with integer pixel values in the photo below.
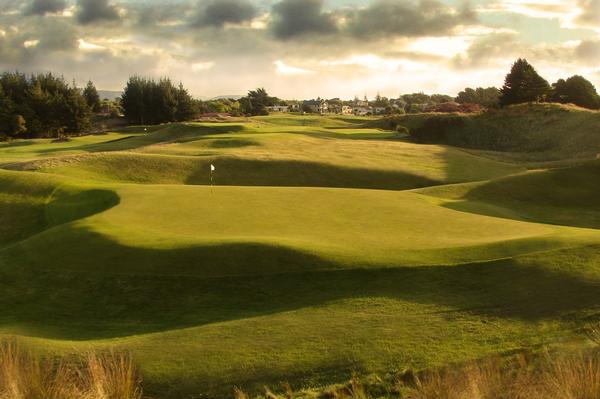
[
  {"x": 566, "y": 376},
  {"x": 25, "y": 375},
  {"x": 573, "y": 376}
]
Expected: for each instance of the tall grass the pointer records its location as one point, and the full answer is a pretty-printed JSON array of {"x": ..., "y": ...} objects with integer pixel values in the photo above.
[
  {"x": 26, "y": 375},
  {"x": 572, "y": 376}
]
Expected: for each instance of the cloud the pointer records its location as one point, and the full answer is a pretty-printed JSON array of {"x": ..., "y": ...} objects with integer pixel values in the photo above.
[
  {"x": 293, "y": 18},
  {"x": 90, "y": 11},
  {"x": 220, "y": 12},
  {"x": 588, "y": 50},
  {"x": 281, "y": 68},
  {"x": 590, "y": 13},
  {"x": 387, "y": 18},
  {"x": 487, "y": 49},
  {"x": 43, "y": 7}
]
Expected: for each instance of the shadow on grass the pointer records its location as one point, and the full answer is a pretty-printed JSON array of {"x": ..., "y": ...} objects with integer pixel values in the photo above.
[
  {"x": 99, "y": 289},
  {"x": 246, "y": 172},
  {"x": 159, "y": 134},
  {"x": 566, "y": 196}
]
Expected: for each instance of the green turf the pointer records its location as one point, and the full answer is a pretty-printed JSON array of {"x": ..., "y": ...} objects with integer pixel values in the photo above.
[{"x": 317, "y": 253}]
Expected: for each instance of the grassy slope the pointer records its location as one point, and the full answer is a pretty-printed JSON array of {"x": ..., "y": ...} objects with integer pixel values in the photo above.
[
  {"x": 566, "y": 196},
  {"x": 253, "y": 285},
  {"x": 530, "y": 133},
  {"x": 326, "y": 154}
]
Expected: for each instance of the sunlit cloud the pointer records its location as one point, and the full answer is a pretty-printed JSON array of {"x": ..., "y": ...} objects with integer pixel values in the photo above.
[
  {"x": 202, "y": 66},
  {"x": 30, "y": 43},
  {"x": 282, "y": 68},
  {"x": 83, "y": 45}
]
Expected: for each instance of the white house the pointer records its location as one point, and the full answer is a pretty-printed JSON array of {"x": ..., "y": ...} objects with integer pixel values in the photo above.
[
  {"x": 362, "y": 111},
  {"x": 278, "y": 108}
]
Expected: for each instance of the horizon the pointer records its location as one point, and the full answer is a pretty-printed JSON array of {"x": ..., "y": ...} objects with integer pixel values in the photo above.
[{"x": 300, "y": 49}]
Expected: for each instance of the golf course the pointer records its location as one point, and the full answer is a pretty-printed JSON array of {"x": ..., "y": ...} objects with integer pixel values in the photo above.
[{"x": 320, "y": 246}]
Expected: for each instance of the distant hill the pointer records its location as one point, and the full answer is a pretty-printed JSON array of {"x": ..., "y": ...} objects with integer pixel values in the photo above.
[{"x": 109, "y": 94}]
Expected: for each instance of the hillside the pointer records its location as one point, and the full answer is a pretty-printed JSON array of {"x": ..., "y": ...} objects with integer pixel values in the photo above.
[
  {"x": 324, "y": 247},
  {"x": 527, "y": 133}
]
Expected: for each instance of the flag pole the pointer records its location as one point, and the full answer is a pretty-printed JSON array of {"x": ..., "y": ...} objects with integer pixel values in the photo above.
[{"x": 212, "y": 169}]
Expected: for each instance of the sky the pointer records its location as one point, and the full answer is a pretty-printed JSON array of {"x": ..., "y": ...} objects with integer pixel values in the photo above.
[{"x": 300, "y": 49}]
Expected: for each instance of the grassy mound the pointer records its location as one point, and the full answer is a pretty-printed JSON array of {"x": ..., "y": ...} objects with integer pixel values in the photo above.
[
  {"x": 527, "y": 132},
  {"x": 565, "y": 196},
  {"x": 31, "y": 203}
]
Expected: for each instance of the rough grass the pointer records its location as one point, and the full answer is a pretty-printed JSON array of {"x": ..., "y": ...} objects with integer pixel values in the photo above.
[
  {"x": 28, "y": 375},
  {"x": 526, "y": 133}
]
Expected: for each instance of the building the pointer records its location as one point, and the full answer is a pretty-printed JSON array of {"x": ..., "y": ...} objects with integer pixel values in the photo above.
[
  {"x": 317, "y": 106},
  {"x": 346, "y": 110},
  {"x": 278, "y": 108},
  {"x": 362, "y": 111}
]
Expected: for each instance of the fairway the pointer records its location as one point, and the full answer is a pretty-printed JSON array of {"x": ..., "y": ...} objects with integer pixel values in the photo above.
[{"x": 325, "y": 247}]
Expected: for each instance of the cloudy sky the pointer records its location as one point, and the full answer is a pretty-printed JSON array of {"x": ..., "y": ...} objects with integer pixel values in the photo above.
[{"x": 301, "y": 48}]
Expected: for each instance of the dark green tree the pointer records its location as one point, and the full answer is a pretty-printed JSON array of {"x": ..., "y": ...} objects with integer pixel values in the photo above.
[
  {"x": 523, "y": 84},
  {"x": 147, "y": 101},
  {"x": 488, "y": 97},
  {"x": 186, "y": 109},
  {"x": 91, "y": 96},
  {"x": 6, "y": 107},
  {"x": 76, "y": 113},
  {"x": 256, "y": 102},
  {"x": 46, "y": 102},
  {"x": 576, "y": 90}
]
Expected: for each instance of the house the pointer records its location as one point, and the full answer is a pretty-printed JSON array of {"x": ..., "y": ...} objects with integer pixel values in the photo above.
[
  {"x": 380, "y": 110},
  {"x": 278, "y": 108},
  {"x": 294, "y": 107},
  {"x": 317, "y": 106},
  {"x": 362, "y": 111},
  {"x": 346, "y": 110}
]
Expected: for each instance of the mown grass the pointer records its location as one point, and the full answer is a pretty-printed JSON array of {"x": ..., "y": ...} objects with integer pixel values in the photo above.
[
  {"x": 565, "y": 196},
  {"x": 251, "y": 283}
]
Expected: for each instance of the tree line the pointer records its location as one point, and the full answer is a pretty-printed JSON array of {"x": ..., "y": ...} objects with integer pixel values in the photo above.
[
  {"x": 41, "y": 105},
  {"x": 523, "y": 84},
  {"x": 149, "y": 101},
  {"x": 45, "y": 105}
]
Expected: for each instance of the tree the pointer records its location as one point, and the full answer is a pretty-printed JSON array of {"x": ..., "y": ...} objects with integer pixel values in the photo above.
[
  {"x": 185, "y": 104},
  {"x": 147, "y": 101},
  {"x": 91, "y": 97},
  {"x": 47, "y": 103},
  {"x": 77, "y": 113},
  {"x": 576, "y": 90},
  {"x": 256, "y": 102},
  {"x": 488, "y": 97},
  {"x": 523, "y": 84},
  {"x": 5, "y": 113},
  {"x": 133, "y": 100}
]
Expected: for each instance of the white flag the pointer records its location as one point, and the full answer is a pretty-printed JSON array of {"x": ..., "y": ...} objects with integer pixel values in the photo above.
[{"x": 212, "y": 167}]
